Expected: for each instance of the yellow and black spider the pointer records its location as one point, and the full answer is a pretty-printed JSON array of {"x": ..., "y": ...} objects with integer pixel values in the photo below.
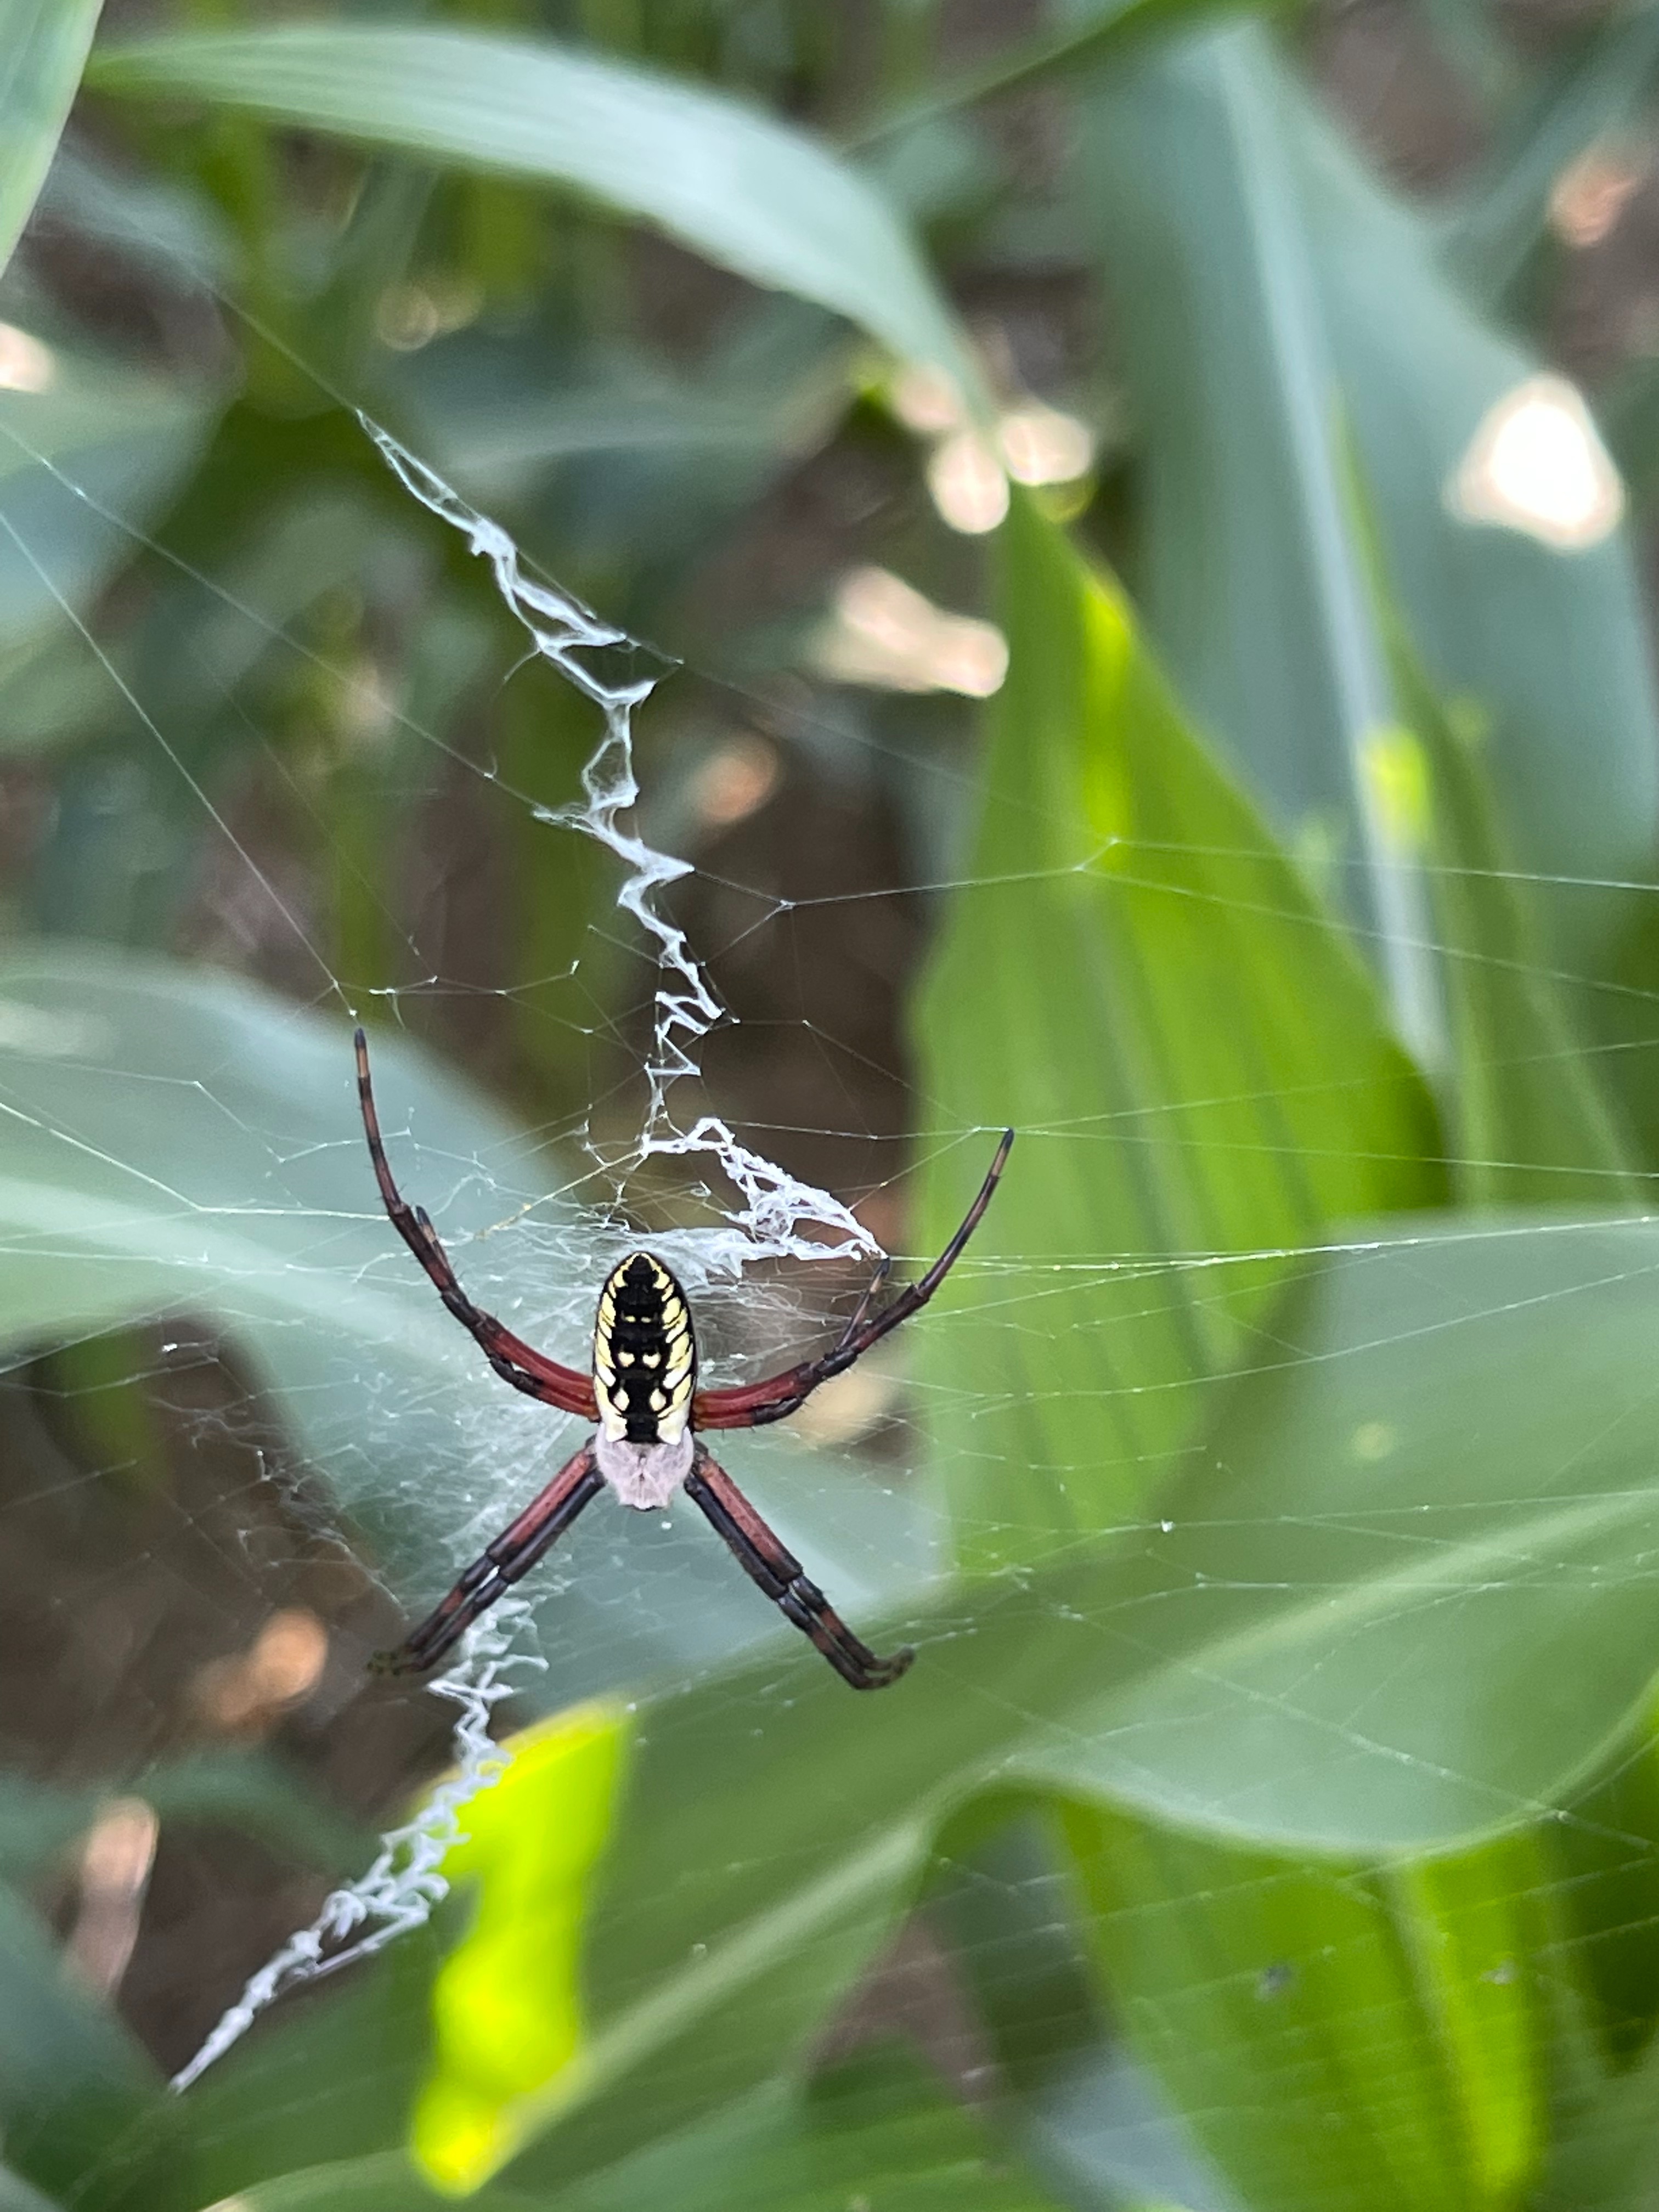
[{"x": 642, "y": 1394}]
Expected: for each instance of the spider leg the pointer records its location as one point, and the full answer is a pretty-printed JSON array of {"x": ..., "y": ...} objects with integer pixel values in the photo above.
[
  {"x": 512, "y": 1359},
  {"x": 752, "y": 1405},
  {"x": 884, "y": 1269},
  {"x": 513, "y": 1552},
  {"x": 764, "y": 1559}
]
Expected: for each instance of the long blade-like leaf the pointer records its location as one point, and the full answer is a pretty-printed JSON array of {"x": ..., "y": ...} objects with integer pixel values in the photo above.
[
  {"x": 72, "y": 2078},
  {"x": 1528, "y": 1119},
  {"x": 1088, "y": 38},
  {"x": 750, "y": 194},
  {"x": 1499, "y": 218},
  {"x": 1179, "y": 151},
  {"x": 43, "y": 48},
  {"x": 1139, "y": 981}
]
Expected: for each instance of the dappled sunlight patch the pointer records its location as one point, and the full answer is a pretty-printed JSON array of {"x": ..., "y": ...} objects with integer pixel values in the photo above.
[
  {"x": 1536, "y": 463},
  {"x": 968, "y": 485},
  {"x": 27, "y": 363},
  {"x": 885, "y": 633}
]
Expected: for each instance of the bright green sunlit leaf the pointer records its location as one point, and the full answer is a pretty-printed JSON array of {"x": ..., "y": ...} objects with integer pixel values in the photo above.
[
  {"x": 507, "y": 2004},
  {"x": 1135, "y": 976}
]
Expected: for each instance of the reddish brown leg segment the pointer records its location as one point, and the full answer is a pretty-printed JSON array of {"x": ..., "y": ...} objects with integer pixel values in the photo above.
[
  {"x": 512, "y": 1359},
  {"x": 513, "y": 1552},
  {"x": 755, "y": 1404},
  {"x": 780, "y": 1574}
]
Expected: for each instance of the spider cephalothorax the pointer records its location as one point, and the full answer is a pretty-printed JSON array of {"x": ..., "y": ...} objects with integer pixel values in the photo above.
[{"x": 644, "y": 1399}]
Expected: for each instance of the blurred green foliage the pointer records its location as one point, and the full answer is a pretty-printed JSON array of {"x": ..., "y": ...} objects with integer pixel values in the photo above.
[{"x": 1276, "y": 1784}]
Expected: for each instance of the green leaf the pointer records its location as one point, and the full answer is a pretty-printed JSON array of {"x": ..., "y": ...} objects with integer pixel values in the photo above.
[
  {"x": 1527, "y": 1117},
  {"x": 1080, "y": 45},
  {"x": 1597, "y": 92},
  {"x": 1605, "y": 2154},
  {"x": 384, "y": 2181},
  {"x": 507, "y": 2009},
  {"x": 878, "y": 2131},
  {"x": 248, "y": 1790},
  {"x": 72, "y": 2080},
  {"x": 1269, "y": 294},
  {"x": 1609, "y": 1851},
  {"x": 750, "y": 194},
  {"x": 176, "y": 1143},
  {"x": 1420, "y": 1520},
  {"x": 124, "y": 441},
  {"x": 1137, "y": 978},
  {"x": 44, "y": 43},
  {"x": 1334, "y": 2036},
  {"x": 17, "y": 2196},
  {"x": 1302, "y": 722},
  {"x": 1395, "y": 1612}
]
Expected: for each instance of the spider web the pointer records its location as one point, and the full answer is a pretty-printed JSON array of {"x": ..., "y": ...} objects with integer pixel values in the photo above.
[
  {"x": 534, "y": 1255},
  {"x": 398, "y": 1891},
  {"x": 769, "y": 1219}
]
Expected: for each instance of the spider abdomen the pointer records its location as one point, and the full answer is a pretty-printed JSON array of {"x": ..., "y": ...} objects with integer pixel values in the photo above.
[{"x": 645, "y": 1357}]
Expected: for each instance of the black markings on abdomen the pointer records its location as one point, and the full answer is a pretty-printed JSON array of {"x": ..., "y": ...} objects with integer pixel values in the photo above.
[{"x": 642, "y": 1352}]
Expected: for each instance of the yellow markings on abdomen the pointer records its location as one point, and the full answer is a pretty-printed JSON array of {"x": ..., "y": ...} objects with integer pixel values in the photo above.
[{"x": 644, "y": 1354}]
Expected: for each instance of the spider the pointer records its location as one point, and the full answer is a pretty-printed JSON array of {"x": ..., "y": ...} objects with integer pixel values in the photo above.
[{"x": 643, "y": 1395}]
